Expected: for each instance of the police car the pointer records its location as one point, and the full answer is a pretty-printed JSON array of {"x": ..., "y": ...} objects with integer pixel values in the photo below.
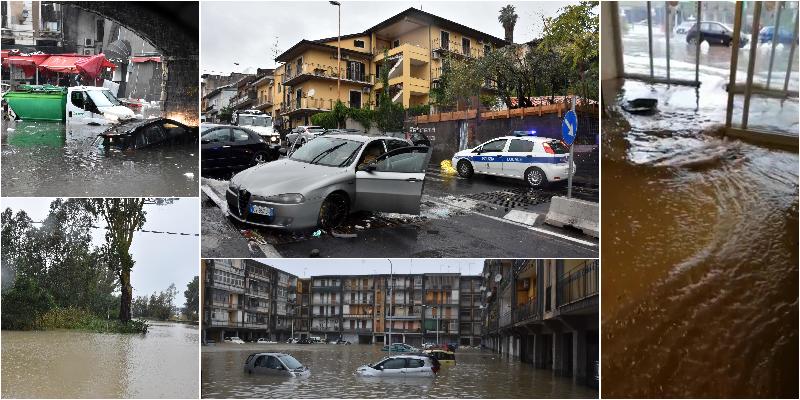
[{"x": 537, "y": 160}]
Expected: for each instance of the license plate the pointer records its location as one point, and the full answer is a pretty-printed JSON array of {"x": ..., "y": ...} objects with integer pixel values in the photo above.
[{"x": 262, "y": 210}]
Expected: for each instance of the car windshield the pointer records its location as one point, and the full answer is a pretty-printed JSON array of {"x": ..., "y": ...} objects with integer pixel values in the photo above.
[
  {"x": 331, "y": 152},
  {"x": 255, "y": 120},
  {"x": 103, "y": 98},
  {"x": 316, "y": 130},
  {"x": 290, "y": 362}
]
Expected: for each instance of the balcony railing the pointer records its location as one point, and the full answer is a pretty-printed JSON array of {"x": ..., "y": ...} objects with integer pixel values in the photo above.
[
  {"x": 527, "y": 311},
  {"x": 505, "y": 319},
  {"x": 457, "y": 48},
  {"x": 357, "y": 330},
  {"x": 578, "y": 284},
  {"x": 359, "y": 286},
  {"x": 227, "y": 324},
  {"x": 357, "y": 316},
  {"x": 244, "y": 98},
  {"x": 324, "y": 71},
  {"x": 359, "y": 301}
]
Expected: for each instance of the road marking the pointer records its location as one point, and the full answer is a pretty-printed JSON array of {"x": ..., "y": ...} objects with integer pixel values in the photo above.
[
  {"x": 532, "y": 228},
  {"x": 268, "y": 250}
]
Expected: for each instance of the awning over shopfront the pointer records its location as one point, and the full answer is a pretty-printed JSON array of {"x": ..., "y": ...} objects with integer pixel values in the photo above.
[
  {"x": 143, "y": 59},
  {"x": 61, "y": 63}
]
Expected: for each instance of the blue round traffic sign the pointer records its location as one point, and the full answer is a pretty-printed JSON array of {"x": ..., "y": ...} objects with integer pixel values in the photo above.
[{"x": 569, "y": 127}]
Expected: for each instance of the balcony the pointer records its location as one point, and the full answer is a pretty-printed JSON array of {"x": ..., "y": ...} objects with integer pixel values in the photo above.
[
  {"x": 323, "y": 288},
  {"x": 403, "y": 317},
  {"x": 358, "y": 287},
  {"x": 367, "y": 330},
  {"x": 528, "y": 311},
  {"x": 578, "y": 285},
  {"x": 505, "y": 319},
  {"x": 258, "y": 293},
  {"x": 255, "y": 325},
  {"x": 257, "y": 309},
  {"x": 357, "y": 316},
  {"x": 367, "y": 301},
  {"x": 456, "y": 48},
  {"x": 226, "y": 324},
  {"x": 243, "y": 99},
  {"x": 225, "y": 286},
  {"x": 226, "y": 304},
  {"x": 309, "y": 71}
]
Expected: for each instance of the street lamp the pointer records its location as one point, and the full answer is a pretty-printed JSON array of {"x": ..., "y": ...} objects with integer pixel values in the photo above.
[{"x": 338, "y": 53}]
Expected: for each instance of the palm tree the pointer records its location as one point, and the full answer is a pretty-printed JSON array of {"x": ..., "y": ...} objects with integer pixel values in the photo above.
[{"x": 508, "y": 17}]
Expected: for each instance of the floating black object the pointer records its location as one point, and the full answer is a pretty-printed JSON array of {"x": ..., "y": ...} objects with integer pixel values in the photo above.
[{"x": 641, "y": 106}]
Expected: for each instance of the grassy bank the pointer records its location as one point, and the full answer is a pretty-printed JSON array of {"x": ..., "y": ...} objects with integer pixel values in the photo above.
[{"x": 75, "y": 318}]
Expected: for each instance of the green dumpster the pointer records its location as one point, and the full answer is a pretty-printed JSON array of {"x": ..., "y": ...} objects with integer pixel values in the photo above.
[{"x": 38, "y": 102}]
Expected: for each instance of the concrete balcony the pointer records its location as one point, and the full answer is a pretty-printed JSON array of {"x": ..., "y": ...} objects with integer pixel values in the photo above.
[
  {"x": 357, "y": 316},
  {"x": 328, "y": 72},
  {"x": 578, "y": 289}
]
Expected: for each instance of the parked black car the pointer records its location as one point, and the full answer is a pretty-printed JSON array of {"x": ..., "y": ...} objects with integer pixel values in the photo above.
[
  {"x": 139, "y": 134},
  {"x": 229, "y": 147},
  {"x": 713, "y": 33}
]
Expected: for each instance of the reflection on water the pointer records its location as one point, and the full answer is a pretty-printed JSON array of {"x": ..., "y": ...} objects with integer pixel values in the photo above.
[
  {"x": 477, "y": 375},
  {"x": 55, "y": 159},
  {"x": 700, "y": 254},
  {"x": 70, "y": 364}
]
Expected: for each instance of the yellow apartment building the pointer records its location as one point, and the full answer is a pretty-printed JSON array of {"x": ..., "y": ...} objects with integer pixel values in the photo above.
[{"x": 416, "y": 43}]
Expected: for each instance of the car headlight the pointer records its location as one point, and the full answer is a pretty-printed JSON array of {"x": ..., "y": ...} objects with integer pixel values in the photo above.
[{"x": 286, "y": 198}]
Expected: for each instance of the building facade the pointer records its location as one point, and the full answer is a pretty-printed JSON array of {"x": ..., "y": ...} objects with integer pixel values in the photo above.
[{"x": 546, "y": 313}]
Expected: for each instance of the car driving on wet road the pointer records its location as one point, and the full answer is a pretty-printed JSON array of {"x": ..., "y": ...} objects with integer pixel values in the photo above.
[
  {"x": 537, "y": 160},
  {"x": 327, "y": 179},
  {"x": 275, "y": 364},
  {"x": 401, "y": 366}
]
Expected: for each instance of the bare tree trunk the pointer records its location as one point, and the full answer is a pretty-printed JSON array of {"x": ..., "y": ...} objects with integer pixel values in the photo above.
[{"x": 126, "y": 296}]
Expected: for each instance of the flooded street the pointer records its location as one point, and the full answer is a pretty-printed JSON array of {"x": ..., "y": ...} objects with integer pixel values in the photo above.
[
  {"x": 54, "y": 159},
  {"x": 478, "y": 374},
  {"x": 700, "y": 250},
  {"x": 72, "y": 364}
]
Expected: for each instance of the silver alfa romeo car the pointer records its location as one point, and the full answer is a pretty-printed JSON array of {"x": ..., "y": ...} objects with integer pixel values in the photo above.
[{"x": 331, "y": 176}]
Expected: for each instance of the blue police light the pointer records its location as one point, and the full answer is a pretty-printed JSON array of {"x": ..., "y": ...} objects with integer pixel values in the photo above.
[{"x": 525, "y": 133}]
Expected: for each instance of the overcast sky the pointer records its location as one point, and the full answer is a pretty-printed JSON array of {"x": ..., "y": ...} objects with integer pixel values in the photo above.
[
  {"x": 245, "y": 32},
  {"x": 305, "y": 268},
  {"x": 160, "y": 259}
]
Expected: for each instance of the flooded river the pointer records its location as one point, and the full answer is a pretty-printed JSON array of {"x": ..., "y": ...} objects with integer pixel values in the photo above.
[
  {"x": 52, "y": 159},
  {"x": 79, "y": 364},
  {"x": 477, "y": 375},
  {"x": 700, "y": 254}
]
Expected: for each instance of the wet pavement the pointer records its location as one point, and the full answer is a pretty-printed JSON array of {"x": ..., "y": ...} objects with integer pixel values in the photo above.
[
  {"x": 459, "y": 218},
  {"x": 700, "y": 252},
  {"x": 53, "y": 159},
  {"x": 477, "y": 374},
  {"x": 80, "y": 364}
]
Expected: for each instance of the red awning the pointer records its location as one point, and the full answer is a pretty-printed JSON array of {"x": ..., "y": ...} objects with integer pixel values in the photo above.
[
  {"x": 142, "y": 59},
  {"x": 92, "y": 66}
]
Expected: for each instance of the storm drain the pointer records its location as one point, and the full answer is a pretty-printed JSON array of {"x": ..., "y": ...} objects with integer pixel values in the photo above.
[{"x": 514, "y": 198}]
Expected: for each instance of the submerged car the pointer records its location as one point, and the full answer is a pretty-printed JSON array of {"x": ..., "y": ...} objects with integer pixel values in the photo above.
[
  {"x": 139, "y": 134},
  {"x": 399, "y": 347},
  {"x": 234, "y": 339},
  {"x": 265, "y": 341},
  {"x": 537, "y": 160},
  {"x": 277, "y": 364},
  {"x": 342, "y": 341},
  {"x": 445, "y": 357},
  {"x": 405, "y": 365},
  {"x": 785, "y": 36},
  {"x": 327, "y": 179},
  {"x": 233, "y": 148}
]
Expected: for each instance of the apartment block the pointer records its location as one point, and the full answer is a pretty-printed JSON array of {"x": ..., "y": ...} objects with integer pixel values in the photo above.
[
  {"x": 414, "y": 45},
  {"x": 326, "y": 306},
  {"x": 399, "y": 314},
  {"x": 546, "y": 313},
  {"x": 441, "y": 303}
]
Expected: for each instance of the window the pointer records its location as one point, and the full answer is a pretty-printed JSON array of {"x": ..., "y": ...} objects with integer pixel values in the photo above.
[
  {"x": 445, "y": 39},
  {"x": 240, "y": 135},
  {"x": 465, "y": 46},
  {"x": 100, "y": 32},
  {"x": 217, "y": 136},
  {"x": 393, "y": 144},
  {"x": 415, "y": 363},
  {"x": 405, "y": 160},
  {"x": 394, "y": 363},
  {"x": 520, "y": 146},
  {"x": 356, "y": 71},
  {"x": 395, "y": 43},
  {"x": 358, "y": 43},
  {"x": 495, "y": 145},
  {"x": 487, "y": 48},
  {"x": 355, "y": 99}
]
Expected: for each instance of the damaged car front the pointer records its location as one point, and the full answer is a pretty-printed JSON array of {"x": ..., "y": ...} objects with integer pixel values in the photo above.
[{"x": 325, "y": 180}]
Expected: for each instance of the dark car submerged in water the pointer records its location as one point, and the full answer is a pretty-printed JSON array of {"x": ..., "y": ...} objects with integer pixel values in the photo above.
[{"x": 141, "y": 134}]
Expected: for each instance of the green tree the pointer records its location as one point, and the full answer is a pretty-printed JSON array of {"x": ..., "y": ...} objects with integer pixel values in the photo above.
[
  {"x": 508, "y": 18},
  {"x": 192, "y": 299},
  {"x": 388, "y": 115},
  {"x": 225, "y": 114},
  {"x": 23, "y": 303}
]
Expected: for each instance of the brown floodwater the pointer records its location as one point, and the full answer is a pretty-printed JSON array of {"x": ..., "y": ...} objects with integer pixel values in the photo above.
[
  {"x": 477, "y": 374},
  {"x": 700, "y": 256},
  {"x": 80, "y": 364}
]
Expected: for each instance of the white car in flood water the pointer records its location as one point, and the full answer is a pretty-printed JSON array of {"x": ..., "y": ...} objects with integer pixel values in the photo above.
[{"x": 401, "y": 366}]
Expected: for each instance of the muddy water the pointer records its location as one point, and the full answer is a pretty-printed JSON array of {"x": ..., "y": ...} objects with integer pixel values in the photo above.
[
  {"x": 78, "y": 364},
  {"x": 477, "y": 375},
  {"x": 699, "y": 253},
  {"x": 52, "y": 159}
]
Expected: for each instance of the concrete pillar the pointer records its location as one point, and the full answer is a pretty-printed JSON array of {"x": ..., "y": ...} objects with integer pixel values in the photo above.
[
  {"x": 538, "y": 350},
  {"x": 558, "y": 353},
  {"x": 179, "y": 89},
  {"x": 580, "y": 370}
]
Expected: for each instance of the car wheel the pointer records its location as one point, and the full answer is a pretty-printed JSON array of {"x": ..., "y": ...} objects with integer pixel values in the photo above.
[
  {"x": 535, "y": 177},
  {"x": 693, "y": 40},
  {"x": 260, "y": 158},
  {"x": 464, "y": 168},
  {"x": 333, "y": 211}
]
